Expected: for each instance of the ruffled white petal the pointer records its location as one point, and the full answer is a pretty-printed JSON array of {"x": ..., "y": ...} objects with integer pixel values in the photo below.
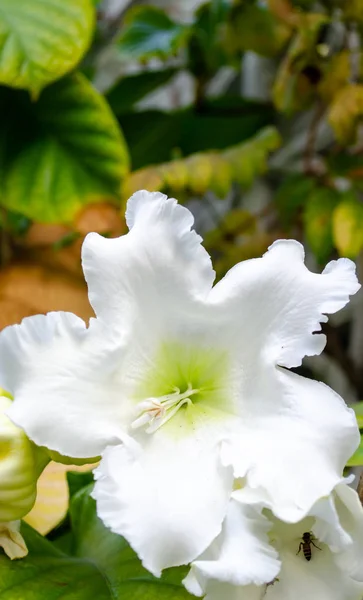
[
  {"x": 58, "y": 373},
  {"x": 218, "y": 590},
  {"x": 168, "y": 500},
  {"x": 350, "y": 512},
  {"x": 240, "y": 556},
  {"x": 277, "y": 304},
  {"x": 160, "y": 260},
  {"x": 161, "y": 330},
  {"x": 297, "y": 437},
  {"x": 328, "y": 527},
  {"x": 326, "y": 576}
]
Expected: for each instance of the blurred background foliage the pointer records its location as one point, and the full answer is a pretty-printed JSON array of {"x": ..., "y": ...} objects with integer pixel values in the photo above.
[{"x": 248, "y": 111}]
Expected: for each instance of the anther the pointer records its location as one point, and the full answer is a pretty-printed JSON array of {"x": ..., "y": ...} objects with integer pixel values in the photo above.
[{"x": 155, "y": 412}]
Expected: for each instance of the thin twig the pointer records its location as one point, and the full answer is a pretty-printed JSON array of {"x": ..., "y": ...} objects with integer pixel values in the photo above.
[
  {"x": 311, "y": 138},
  {"x": 360, "y": 488}
]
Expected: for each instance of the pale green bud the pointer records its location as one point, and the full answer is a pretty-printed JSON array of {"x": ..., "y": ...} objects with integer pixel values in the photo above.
[{"x": 21, "y": 463}]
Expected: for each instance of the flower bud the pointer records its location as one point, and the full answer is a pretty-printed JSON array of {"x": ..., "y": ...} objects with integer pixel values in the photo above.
[{"x": 20, "y": 465}]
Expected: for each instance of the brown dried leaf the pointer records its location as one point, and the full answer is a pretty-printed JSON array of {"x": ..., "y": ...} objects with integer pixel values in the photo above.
[
  {"x": 27, "y": 289},
  {"x": 103, "y": 218}
]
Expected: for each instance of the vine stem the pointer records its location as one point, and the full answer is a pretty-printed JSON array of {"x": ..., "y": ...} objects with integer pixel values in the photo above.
[{"x": 311, "y": 138}]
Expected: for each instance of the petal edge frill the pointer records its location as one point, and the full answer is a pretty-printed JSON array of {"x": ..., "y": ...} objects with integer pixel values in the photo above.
[
  {"x": 58, "y": 372},
  {"x": 240, "y": 556},
  {"x": 299, "y": 423},
  {"x": 280, "y": 304},
  {"x": 160, "y": 259},
  {"x": 168, "y": 500}
]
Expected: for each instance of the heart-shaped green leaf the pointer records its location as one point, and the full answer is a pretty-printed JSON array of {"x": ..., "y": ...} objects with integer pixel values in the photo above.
[
  {"x": 102, "y": 565},
  {"x": 42, "y": 40},
  {"x": 148, "y": 32},
  {"x": 61, "y": 152}
]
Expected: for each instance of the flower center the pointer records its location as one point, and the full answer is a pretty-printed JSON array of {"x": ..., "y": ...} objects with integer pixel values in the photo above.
[{"x": 155, "y": 412}]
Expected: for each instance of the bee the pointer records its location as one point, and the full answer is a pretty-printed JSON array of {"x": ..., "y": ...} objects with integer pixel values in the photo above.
[{"x": 305, "y": 544}]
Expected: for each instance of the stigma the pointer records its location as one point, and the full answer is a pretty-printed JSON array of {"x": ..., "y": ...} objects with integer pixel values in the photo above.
[{"x": 155, "y": 412}]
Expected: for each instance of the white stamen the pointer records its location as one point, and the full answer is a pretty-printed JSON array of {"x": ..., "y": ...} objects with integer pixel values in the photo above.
[{"x": 157, "y": 411}]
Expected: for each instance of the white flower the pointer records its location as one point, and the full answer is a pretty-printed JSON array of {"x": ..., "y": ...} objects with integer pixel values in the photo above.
[
  {"x": 321, "y": 556},
  {"x": 12, "y": 541},
  {"x": 184, "y": 382}
]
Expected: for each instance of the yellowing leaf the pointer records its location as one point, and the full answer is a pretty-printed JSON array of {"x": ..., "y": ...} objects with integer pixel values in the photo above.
[
  {"x": 150, "y": 179},
  {"x": 318, "y": 213},
  {"x": 353, "y": 10},
  {"x": 254, "y": 27},
  {"x": 175, "y": 175},
  {"x": 336, "y": 75},
  {"x": 221, "y": 178},
  {"x": 348, "y": 227},
  {"x": 52, "y": 497},
  {"x": 346, "y": 111},
  {"x": 293, "y": 90},
  {"x": 40, "y": 41},
  {"x": 208, "y": 170},
  {"x": 199, "y": 173}
]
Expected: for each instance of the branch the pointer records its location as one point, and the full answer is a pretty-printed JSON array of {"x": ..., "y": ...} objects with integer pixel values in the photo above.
[{"x": 311, "y": 138}]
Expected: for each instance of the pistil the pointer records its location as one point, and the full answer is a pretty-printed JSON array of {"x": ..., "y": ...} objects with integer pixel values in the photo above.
[{"x": 155, "y": 412}]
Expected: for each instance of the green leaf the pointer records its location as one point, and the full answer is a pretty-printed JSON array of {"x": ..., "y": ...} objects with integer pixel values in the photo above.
[
  {"x": 209, "y": 170},
  {"x": 357, "y": 459},
  {"x": 148, "y": 32},
  {"x": 102, "y": 566},
  {"x": 348, "y": 226},
  {"x": 318, "y": 215},
  {"x": 112, "y": 554},
  {"x": 129, "y": 90},
  {"x": 224, "y": 121},
  {"x": 78, "y": 480},
  {"x": 358, "y": 409},
  {"x": 291, "y": 196},
  {"x": 153, "y": 136},
  {"x": 60, "y": 153},
  {"x": 40, "y": 41},
  {"x": 47, "y": 573},
  {"x": 254, "y": 27},
  {"x": 206, "y": 52}
]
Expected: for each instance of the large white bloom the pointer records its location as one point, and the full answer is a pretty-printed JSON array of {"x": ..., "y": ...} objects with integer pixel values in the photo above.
[
  {"x": 184, "y": 382},
  {"x": 321, "y": 556}
]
